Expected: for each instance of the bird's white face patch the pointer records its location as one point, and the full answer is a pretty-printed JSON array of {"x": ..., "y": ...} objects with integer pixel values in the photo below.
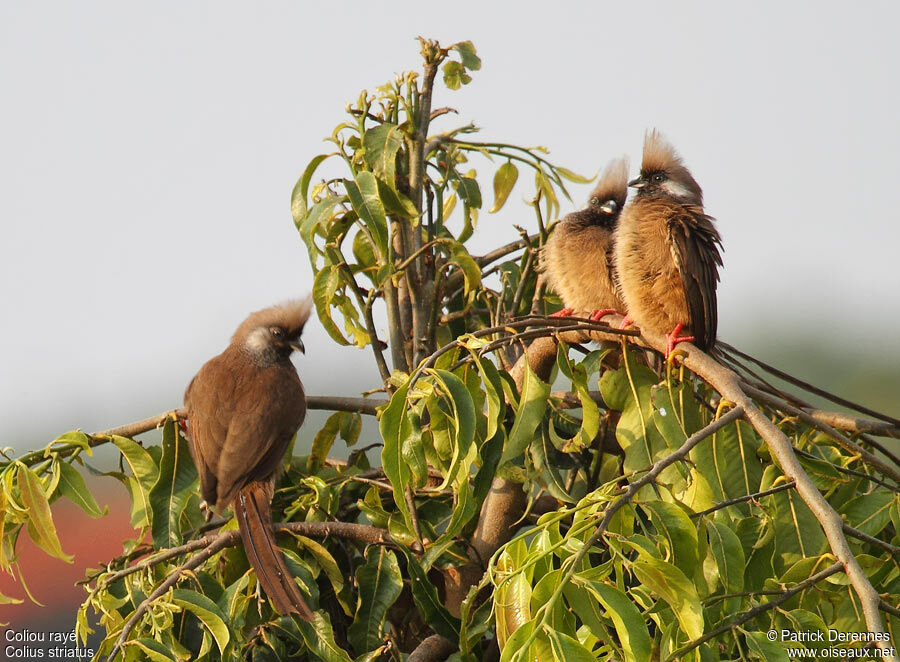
[
  {"x": 676, "y": 189},
  {"x": 258, "y": 341}
]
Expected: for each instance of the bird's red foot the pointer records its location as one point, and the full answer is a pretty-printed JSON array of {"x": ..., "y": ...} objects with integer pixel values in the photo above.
[
  {"x": 597, "y": 315},
  {"x": 565, "y": 312},
  {"x": 673, "y": 339},
  {"x": 626, "y": 322}
]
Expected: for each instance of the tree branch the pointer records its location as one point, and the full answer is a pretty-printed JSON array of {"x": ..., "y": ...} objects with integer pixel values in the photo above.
[{"x": 432, "y": 649}]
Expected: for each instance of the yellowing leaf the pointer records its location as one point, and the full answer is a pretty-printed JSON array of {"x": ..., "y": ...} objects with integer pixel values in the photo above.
[{"x": 40, "y": 523}]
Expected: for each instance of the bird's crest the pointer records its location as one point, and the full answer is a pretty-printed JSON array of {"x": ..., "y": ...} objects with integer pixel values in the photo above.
[
  {"x": 613, "y": 184},
  {"x": 660, "y": 156},
  {"x": 290, "y": 316}
]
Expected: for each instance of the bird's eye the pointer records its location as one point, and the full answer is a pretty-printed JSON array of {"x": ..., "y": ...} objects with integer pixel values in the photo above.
[
  {"x": 595, "y": 201},
  {"x": 276, "y": 332},
  {"x": 658, "y": 177}
]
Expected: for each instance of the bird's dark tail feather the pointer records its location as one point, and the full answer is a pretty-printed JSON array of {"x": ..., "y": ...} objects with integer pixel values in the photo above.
[{"x": 252, "y": 509}]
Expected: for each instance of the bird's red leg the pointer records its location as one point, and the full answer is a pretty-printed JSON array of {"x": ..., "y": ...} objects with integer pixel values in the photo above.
[
  {"x": 626, "y": 322},
  {"x": 673, "y": 339},
  {"x": 597, "y": 315},
  {"x": 565, "y": 312}
]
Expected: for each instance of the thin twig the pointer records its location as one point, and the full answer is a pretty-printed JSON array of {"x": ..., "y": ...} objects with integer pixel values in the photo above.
[
  {"x": 339, "y": 403},
  {"x": 760, "y": 609},
  {"x": 872, "y": 540},
  {"x": 812, "y": 389},
  {"x": 454, "y": 280},
  {"x": 842, "y": 440},
  {"x": 217, "y": 544},
  {"x": 741, "y": 499}
]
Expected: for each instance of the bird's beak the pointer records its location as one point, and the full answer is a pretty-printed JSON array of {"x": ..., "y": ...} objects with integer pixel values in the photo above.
[
  {"x": 609, "y": 207},
  {"x": 637, "y": 182},
  {"x": 297, "y": 345}
]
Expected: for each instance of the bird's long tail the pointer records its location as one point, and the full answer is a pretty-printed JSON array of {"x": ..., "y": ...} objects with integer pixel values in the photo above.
[{"x": 252, "y": 509}]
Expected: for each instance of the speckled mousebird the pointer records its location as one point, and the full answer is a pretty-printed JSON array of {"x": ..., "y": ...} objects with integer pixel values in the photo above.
[
  {"x": 577, "y": 258},
  {"x": 243, "y": 408},
  {"x": 667, "y": 251}
]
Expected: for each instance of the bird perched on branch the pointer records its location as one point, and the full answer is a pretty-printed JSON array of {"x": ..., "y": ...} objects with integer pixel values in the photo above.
[
  {"x": 667, "y": 251},
  {"x": 243, "y": 408},
  {"x": 577, "y": 258}
]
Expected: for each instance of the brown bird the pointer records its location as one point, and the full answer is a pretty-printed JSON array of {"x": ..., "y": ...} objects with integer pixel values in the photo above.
[
  {"x": 667, "y": 251},
  {"x": 243, "y": 408},
  {"x": 577, "y": 258}
]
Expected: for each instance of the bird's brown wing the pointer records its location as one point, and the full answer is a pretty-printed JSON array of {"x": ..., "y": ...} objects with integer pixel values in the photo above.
[
  {"x": 694, "y": 242},
  {"x": 268, "y": 409},
  {"x": 208, "y": 402}
]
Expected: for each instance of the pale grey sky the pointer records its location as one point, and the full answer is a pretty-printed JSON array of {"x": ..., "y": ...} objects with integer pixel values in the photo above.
[{"x": 148, "y": 151}]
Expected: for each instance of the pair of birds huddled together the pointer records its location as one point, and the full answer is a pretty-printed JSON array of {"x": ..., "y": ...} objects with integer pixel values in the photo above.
[{"x": 655, "y": 258}]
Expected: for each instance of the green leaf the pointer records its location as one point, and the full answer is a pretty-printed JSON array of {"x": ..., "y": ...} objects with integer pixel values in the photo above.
[
  {"x": 207, "y": 612},
  {"x": 396, "y": 203},
  {"x": 672, "y": 522},
  {"x": 72, "y": 486},
  {"x": 628, "y": 389},
  {"x": 152, "y": 649},
  {"x": 324, "y": 559},
  {"x": 512, "y": 597},
  {"x": 798, "y": 533},
  {"x": 542, "y": 450},
  {"x": 763, "y": 649},
  {"x": 574, "y": 176},
  {"x": 504, "y": 181},
  {"x": 568, "y": 649},
  {"x": 466, "y": 50},
  {"x": 141, "y": 463},
  {"x": 319, "y": 215},
  {"x": 455, "y": 75},
  {"x": 869, "y": 513},
  {"x": 463, "y": 424},
  {"x": 678, "y": 591},
  {"x": 318, "y": 636},
  {"x": 351, "y": 426},
  {"x": 531, "y": 410},
  {"x": 676, "y": 412},
  {"x": 728, "y": 461},
  {"x": 468, "y": 190},
  {"x": 324, "y": 287},
  {"x": 323, "y": 442},
  {"x": 301, "y": 189},
  {"x": 513, "y": 647},
  {"x": 395, "y": 467},
  {"x": 630, "y": 625},
  {"x": 363, "y": 194},
  {"x": 40, "y": 520},
  {"x": 429, "y": 604},
  {"x": 169, "y": 494},
  {"x": 726, "y": 549},
  {"x": 380, "y": 584},
  {"x": 382, "y": 144},
  {"x": 469, "y": 267}
]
